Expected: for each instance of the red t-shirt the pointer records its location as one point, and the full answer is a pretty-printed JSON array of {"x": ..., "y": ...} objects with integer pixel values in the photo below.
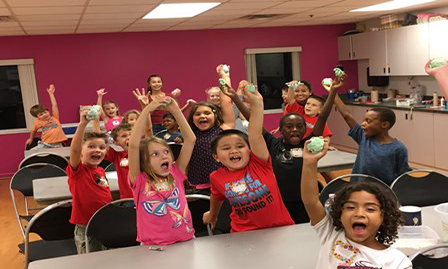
[
  {"x": 120, "y": 159},
  {"x": 90, "y": 191},
  {"x": 254, "y": 195},
  {"x": 310, "y": 122},
  {"x": 294, "y": 108}
]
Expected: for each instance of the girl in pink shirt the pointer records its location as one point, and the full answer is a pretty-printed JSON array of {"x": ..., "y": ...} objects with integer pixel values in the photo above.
[
  {"x": 110, "y": 112},
  {"x": 163, "y": 216}
]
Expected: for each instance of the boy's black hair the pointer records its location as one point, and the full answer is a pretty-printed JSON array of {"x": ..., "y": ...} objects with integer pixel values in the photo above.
[
  {"x": 385, "y": 115},
  {"x": 283, "y": 118},
  {"x": 94, "y": 135},
  {"x": 318, "y": 98},
  {"x": 389, "y": 206},
  {"x": 215, "y": 140},
  {"x": 307, "y": 84},
  {"x": 36, "y": 109},
  {"x": 116, "y": 130},
  {"x": 285, "y": 88},
  {"x": 168, "y": 115}
]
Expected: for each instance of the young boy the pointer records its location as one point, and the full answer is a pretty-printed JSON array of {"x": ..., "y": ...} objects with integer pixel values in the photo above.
[
  {"x": 379, "y": 154},
  {"x": 247, "y": 180},
  {"x": 297, "y": 97},
  {"x": 313, "y": 107},
  {"x": 172, "y": 133},
  {"x": 121, "y": 135},
  {"x": 87, "y": 181},
  {"x": 52, "y": 134}
]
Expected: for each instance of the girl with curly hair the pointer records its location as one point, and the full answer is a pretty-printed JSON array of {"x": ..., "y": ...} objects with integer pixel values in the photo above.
[{"x": 362, "y": 225}]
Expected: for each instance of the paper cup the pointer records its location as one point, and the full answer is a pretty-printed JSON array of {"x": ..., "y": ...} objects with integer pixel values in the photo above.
[{"x": 412, "y": 215}]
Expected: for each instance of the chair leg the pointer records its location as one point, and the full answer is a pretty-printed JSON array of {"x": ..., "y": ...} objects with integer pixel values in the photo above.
[{"x": 25, "y": 201}]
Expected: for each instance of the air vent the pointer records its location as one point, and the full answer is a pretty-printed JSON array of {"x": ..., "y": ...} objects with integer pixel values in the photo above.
[
  {"x": 6, "y": 19},
  {"x": 263, "y": 16}
]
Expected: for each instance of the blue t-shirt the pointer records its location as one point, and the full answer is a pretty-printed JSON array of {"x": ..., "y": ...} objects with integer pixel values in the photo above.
[{"x": 383, "y": 161}]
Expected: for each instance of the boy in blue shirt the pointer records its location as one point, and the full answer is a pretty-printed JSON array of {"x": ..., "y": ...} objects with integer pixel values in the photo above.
[{"x": 379, "y": 154}]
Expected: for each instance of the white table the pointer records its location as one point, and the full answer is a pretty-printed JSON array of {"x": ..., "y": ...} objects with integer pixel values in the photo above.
[
  {"x": 336, "y": 160},
  {"x": 64, "y": 151},
  {"x": 54, "y": 189}
]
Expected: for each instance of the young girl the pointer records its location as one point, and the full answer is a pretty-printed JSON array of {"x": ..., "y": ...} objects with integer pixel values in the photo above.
[
  {"x": 361, "y": 226},
  {"x": 131, "y": 116},
  {"x": 207, "y": 121},
  {"x": 297, "y": 98},
  {"x": 110, "y": 112},
  {"x": 163, "y": 216}
]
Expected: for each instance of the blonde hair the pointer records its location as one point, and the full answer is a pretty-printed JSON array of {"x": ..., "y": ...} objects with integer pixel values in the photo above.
[
  {"x": 129, "y": 112},
  {"x": 145, "y": 160}
]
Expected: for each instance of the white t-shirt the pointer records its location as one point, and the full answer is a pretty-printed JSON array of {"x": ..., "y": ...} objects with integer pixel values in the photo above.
[{"x": 339, "y": 252}]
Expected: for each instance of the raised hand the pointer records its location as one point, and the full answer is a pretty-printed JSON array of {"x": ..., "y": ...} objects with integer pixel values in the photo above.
[
  {"x": 252, "y": 96},
  {"x": 175, "y": 93},
  {"x": 313, "y": 158},
  {"x": 101, "y": 92},
  {"x": 51, "y": 89},
  {"x": 83, "y": 116},
  {"x": 141, "y": 96},
  {"x": 223, "y": 74},
  {"x": 191, "y": 101}
]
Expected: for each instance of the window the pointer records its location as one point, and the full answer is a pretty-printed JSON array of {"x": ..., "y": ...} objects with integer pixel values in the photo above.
[
  {"x": 18, "y": 93},
  {"x": 270, "y": 69}
]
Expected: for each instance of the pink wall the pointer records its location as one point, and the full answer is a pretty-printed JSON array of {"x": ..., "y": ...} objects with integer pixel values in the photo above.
[{"x": 80, "y": 64}]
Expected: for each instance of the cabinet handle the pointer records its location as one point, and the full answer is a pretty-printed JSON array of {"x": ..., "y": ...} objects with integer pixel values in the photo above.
[
  {"x": 406, "y": 116},
  {"x": 349, "y": 55},
  {"x": 354, "y": 54},
  {"x": 389, "y": 69},
  {"x": 384, "y": 70}
]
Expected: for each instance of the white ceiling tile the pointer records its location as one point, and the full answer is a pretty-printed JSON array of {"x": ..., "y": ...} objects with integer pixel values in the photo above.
[
  {"x": 11, "y": 33},
  {"x": 45, "y": 3},
  {"x": 145, "y": 28},
  {"x": 244, "y": 5},
  {"x": 305, "y": 4},
  {"x": 65, "y": 17},
  {"x": 213, "y": 18},
  {"x": 97, "y": 30},
  {"x": 120, "y": 9},
  {"x": 113, "y": 16},
  {"x": 4, "y": 12},
  {"x": 283, "y": 10},
  {"x": 2, "y": 4},
  {"x": 241, "y": 12},
  {"x": 160, "y": 22},
  {"x": 50, "y": 32},
  {"x": 122, "y": 2},
  {"x": 188, "y": 27},
  {"x": 357, "y": 3},
  {"x": 46, "y": 10},
  {"x": 107, "y": 22},
  {"x": 9, "y": 24},
  {"x": 49, "y": 23},
  {"x": 50, "y": 27}
]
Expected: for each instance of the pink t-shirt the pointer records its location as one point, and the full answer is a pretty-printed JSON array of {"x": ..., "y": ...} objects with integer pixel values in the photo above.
[
  {"x": 163, "y": 218},
  {"x": 113, "y": 122}
]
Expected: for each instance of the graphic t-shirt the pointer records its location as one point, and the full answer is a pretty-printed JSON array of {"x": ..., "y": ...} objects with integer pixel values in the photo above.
[
  {"x": 310, "y": 122},
  {"x": 339, "y": 252},
  {"x": 51, "y": 130},
  {"x": 120, "y": 159},
  {"x": 294, "y": 108},
  {"x": 253, "y": 194}
]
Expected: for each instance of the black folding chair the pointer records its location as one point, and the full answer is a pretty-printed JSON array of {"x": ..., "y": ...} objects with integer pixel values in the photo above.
[
  {"x": 198, "y": 205},
  {"x": 421, "y": 188},
  {"x": 104, "y": 164},
  {"x": 114, "y": 225},
  {"x": 45, "y": 157},
  {"x": 57, "y": 233},
  {"x": 22, "y": 182},
  {"x": 175, "y": 148},
  {"x": 110, "y": 168},
  {"x": 33, "y": 143},
  {"x": 433, "y": 257}
]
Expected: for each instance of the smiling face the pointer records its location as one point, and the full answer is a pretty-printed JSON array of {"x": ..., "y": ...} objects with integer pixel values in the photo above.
[
  {"x": 155, "y": 83},
  {"x": 361, "y": 218},
  {"x": 111, "y": 110},
  {"x": 285, "y": 95},
  {"x": 293, "y": 129},
  {"x": 233, "y": 152},
  {"x": 214, "y": 96},
  {"x": 372, "y": 124},
  {"x": 312, "y": 107},
  {"x": 301, "y": 93},
  {"x": 160, "y": 159},
  {"x": 170, "y": 124},
  {"x": 93, "y": 151},
  {"x": 204, "y": 118},
  {"x": 44, "y": 115}
]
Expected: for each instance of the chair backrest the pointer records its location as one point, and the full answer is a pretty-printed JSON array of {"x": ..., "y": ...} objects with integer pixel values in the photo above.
[
  {"x": 33, "y": 143},
  {"x": 175, "y": 148},
  {"x": 51, "y": 223},
  {"x": 45, "y": 157},
  {"x": 104, "y": 164},
  {"x": 433, "y": 257},
  {"x": 198, "y": 205},
  {"x": 115, "y": 224},
  {"x": 339, "y": 182},
  {"x": 110, "y": 168},
  {"x": 421, "y": 188}
]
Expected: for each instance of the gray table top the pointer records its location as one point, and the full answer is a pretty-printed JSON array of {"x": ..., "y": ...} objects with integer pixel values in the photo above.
[
  {"x": 53, "y": 189},
  {"x": 336, "y": 160}
]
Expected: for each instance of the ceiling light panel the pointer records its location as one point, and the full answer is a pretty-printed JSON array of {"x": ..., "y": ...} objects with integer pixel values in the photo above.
[
  {"x": 392, "y": 5},
  {"x": 179, "y": 10},
  {"x": 45, "y": 3}
]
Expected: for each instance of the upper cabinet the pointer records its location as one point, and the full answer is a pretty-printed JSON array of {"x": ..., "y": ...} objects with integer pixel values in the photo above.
[
  {"x": 417, "y": 49},
  {"x": 438, "y": 39},
  {"x": 378, "y": 53},
  {"x": 353, "y": 47}
]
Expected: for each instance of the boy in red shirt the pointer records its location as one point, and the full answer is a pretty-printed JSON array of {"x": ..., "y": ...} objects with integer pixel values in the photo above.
[
  {"x": 87, "y": 181},
  {"x": 247, "y": 179},
  {"x": 312, "y": 110},
  {"x": 297, "y": 96}
]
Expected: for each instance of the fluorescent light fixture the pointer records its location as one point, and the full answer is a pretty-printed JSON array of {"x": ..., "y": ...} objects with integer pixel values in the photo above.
[
  {"x": 391, "y": 5},
  {"x": 179, "y": 10}
]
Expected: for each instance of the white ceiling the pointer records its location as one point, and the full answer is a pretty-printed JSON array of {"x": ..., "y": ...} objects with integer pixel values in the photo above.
[{"x": 36, "y": 17}]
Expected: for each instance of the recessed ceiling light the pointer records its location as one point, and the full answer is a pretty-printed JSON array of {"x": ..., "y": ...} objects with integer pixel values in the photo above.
[
  {"x": 391, "y": 5},
  {"x": 179, "y": 10}
]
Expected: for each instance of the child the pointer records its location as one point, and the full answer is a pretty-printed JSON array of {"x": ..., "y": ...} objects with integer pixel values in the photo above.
[
  {"x": 247, "y": 179},
  {"x": 110, "y": 112},
  {"x": 362, "y": 223},
  {"x": 131, "y": 116},
  {"x": 52, "y": 134},
  {"x": 121, "y": 135},
  {"x": 311, "y": 112},
  {"x": 87, "y": 181},
  {"x": 171, "y": 134},
  {"x": 284, "y": 97},
  {"x": 163, "y": 216},
  {"x": 379, "y": 154},
  {"x": 297, "y": 97},
  {"x": 214, "y": 95}
]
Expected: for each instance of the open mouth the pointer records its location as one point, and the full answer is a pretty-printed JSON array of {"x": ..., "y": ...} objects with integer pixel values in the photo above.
[
  {"x": 235, "y": 159},
  {"x": 165, "y": 166},
  {"x": 96, "y": 158},
  {"x": 359, "y": 228},
  {"x": 294, "y": 138}
]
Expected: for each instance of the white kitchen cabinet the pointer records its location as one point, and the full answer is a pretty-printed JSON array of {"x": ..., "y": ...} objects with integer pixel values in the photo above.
[
  {"x": 441, "y": 140},
  {"x": 396, "y": 44},
  {"x": 353, "y": 47},
  {"x": 377, "y": 53},
  {"x": 339, "y": 128},
  {"x": 438, "y": 39},
  {"x": 417, "y": 49}
]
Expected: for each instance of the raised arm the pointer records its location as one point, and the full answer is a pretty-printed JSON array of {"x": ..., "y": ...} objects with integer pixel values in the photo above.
[
  {"x": 76, "y": 145},
  {"x": 309, "y": 191},
  {"x": 141, "y": 97},
  {"x": 99, "y": 102},
  {"x": 255, "y": 130},
  {"x": 136, "y": 135},
  {"x": 342, "y": 108},
  {"x": 54, "y": 105},
  {"x": 441, "y": 75},
  {"x": 188, "y": 135},
  {"x": 319, "y": 127},
  {"x": 292, "y": 92}
]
